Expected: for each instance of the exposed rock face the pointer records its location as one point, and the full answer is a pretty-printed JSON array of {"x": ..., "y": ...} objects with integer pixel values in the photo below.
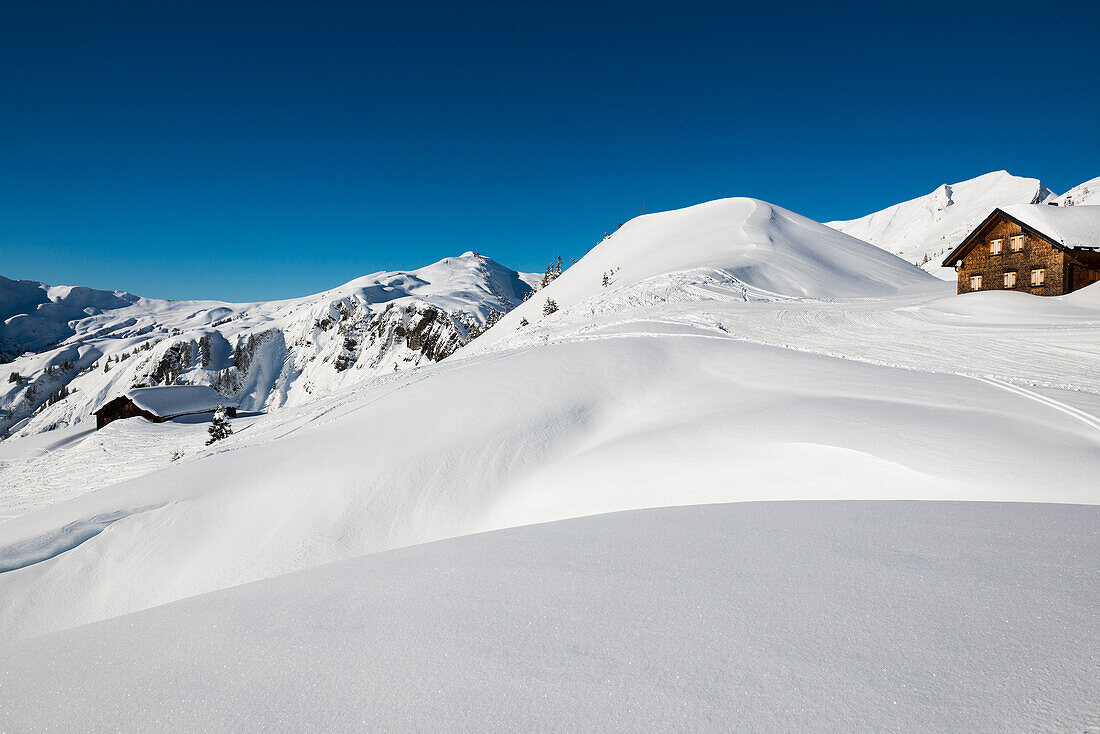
[{"x": 264, "y": 355}]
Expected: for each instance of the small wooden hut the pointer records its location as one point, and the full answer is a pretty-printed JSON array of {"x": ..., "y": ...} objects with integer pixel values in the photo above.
[{"x": 159, "y": 404}]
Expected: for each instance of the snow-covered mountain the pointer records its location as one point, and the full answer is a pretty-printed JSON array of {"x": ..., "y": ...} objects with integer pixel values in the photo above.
[
  {"x": 34, "y": 315},
  {"x": 739, "y": 351},
  {"x": 1086, "y": 193},
  {"x": 728, "y": 352},
  {"x": 68, "y": 350},
  {"x": 924, "y": 229}
]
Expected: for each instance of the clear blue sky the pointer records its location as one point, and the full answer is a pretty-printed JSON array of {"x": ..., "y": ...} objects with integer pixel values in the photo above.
[{"x": 239, "y": 152}]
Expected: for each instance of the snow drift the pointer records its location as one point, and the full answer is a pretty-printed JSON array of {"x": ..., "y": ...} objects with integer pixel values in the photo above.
[
  {"x": 797, "y": 616},
  {"x": 650, "y": 413},
  {"x": 738, "y": 352},
  {"x": 762, "y": 245},
  {"x": 749, "y": 244}
]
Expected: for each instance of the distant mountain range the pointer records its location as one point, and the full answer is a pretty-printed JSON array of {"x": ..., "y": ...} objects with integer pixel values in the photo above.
[{"x": 88, "y": 346}]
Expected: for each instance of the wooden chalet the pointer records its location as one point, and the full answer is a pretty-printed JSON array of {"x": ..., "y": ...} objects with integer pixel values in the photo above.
[
  {"x": 1034, "y": 248},
  {"x": 160, "y": 404}
]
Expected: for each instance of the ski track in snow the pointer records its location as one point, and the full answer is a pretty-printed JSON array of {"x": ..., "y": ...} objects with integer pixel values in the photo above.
[{"x": 1089, "y": 420}]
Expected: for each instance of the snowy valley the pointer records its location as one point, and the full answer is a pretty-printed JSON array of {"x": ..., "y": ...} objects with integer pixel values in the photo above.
[{"x": 502, "y": 535}]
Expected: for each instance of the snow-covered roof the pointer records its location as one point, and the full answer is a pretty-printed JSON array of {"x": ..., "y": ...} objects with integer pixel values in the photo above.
[
  {"x": 1070, "y": 226},
  {"x": 170, "y": 400}
]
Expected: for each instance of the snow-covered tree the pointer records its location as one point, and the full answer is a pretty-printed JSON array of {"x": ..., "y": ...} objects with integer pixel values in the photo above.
[
  {"x": 606, "y": 280},
  {"x": 219, "y": 427},
  {"x": 550, "y": 307}
]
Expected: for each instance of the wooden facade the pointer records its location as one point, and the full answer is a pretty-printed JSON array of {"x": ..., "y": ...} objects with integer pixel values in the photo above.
[
  {"x": 124, "y": 407},
  {"x": 1004, "y": 253},
  {"x": 118, "y": 409}
]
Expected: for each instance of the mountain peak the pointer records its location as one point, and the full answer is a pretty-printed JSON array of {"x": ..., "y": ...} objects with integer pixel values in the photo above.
[{"x": 921, "y": 229}]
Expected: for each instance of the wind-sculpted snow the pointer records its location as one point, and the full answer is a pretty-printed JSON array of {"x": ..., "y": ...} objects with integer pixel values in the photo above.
[
  {"x": 790, "y": 616},
  {"x": 700, "y": 373},
  {"x": 757, "y": 245},
  {"x": 624, "y": 401},
  {"x": 260, "y": 355},
  {"x": 34, "y": 315},
  {"x": 50, "y": 545}
]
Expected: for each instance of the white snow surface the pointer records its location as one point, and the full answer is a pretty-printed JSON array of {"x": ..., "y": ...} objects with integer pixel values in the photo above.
[
  {"x": 174, "y": 400},
  {"x": 1086, "y": 193},
  {"x": 33, "y": 315},
  {"x": 1072, "y": 226},
  {"x": 747, "y": 242},
  {"x": 739, "y": 353},
  {"x": 925, "y": 229},
  {"x": 762, "y": 245},
  {"x": 691, "y": 386},
  {"x": 794, "y": 616}
]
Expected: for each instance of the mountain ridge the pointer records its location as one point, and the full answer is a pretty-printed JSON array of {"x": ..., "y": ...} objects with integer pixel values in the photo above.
[
  {"x": 69, "y": 349},
  {"x": 924, "y": 229}
]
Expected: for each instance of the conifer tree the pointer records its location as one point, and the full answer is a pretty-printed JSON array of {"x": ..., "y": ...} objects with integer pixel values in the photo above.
[
  {"x": 219, "y": 427},
  {"x": 550, "y": 307}
]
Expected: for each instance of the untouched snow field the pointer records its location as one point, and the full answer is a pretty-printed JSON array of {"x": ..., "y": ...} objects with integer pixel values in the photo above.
[
  {"x": 739, "y": 352},
  {"x": 798, "y": 616}
]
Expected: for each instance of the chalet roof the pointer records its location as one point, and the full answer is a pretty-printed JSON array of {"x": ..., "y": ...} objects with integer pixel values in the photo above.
[
  {"x": 1072, "y": 226},
  {"x": 1067, "y": 228},
  {"x": 172, "y": 400}
]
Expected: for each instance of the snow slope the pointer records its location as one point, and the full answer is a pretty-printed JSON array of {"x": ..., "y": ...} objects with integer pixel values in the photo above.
[
  {"x": 796, "y": 616},
  {"x": 763, "y": 245},
  {"x": 703, "y": 383},
  {"x": 925, "y": 229},
  {"x": 34, "y": 315},
  {"x": 260, "y": 355},
  {"x": 1086, "y": 193},
  {"x": 757, "y": 245}
]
